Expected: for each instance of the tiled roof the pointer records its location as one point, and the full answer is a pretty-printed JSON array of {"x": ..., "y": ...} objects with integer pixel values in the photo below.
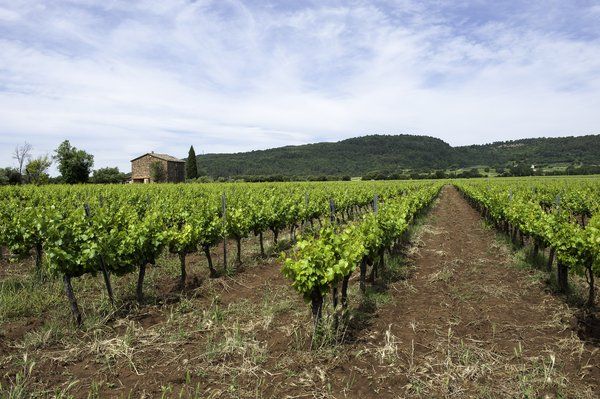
[{"x": 164, "y": 157}]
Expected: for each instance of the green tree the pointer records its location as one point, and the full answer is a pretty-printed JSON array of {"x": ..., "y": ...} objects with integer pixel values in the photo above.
[
  {"x": 108, "y": 176},
  {"x": 9, "y": 176},
  {"x": 191, "y": 168},
  {"x": 440, "y": 174},
  {"x": 36, "y": 170},
  {"x": 74, "y": 165},
  {"x": 157, "y": 172},
  {"x": 521, "y": 169}
]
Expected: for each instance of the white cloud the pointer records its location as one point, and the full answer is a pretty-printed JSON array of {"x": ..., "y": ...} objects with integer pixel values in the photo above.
[
  {"x": 8, "y": 15},
  {"x": 119, "y": 79}
]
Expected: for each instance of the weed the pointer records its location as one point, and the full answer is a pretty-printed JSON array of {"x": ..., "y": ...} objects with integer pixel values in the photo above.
[
  {"x": 389, "y": 351},
  {"x": 19, "y": 385}
]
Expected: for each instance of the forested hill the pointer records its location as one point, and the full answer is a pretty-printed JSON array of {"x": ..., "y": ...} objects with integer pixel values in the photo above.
[{"x": 394, "y": 153}]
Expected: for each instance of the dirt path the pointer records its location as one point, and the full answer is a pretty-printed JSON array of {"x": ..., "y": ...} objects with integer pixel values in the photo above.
[{"x": 468, "y": 323}]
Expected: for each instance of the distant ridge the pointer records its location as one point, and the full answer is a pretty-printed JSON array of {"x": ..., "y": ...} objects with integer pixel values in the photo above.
[{"x": 396, "y": 153}]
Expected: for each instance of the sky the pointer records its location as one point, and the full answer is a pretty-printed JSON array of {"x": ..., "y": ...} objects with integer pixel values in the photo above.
[{"x": 122, "y": 78}]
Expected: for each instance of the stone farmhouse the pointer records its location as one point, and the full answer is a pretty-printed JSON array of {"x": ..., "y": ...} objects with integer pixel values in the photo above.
[{"x": 174, "y": 168}]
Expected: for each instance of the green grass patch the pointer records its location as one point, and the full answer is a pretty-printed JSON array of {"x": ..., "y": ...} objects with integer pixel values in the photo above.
[{"x": 27, "y": 297}]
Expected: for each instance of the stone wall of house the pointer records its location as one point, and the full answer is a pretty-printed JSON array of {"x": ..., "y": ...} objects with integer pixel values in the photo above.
[
  {"x": 140, "y": 168},
  {"x": 176, "y": 172}
]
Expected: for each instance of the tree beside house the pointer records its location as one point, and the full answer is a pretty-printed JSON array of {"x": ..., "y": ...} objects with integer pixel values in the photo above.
[{"x": 191, "y": 166}]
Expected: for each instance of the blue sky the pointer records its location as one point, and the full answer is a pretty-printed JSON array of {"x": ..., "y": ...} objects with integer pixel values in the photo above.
[{"x": 120, "y": 78}]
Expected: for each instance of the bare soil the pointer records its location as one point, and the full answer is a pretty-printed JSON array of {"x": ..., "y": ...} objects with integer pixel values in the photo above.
[
  {"x": 462, "y": 321},
  {"x": 467, "y": 323}
]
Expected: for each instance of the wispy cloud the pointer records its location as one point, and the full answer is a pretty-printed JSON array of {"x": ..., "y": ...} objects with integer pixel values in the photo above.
[{"x": 120, "y": 78}]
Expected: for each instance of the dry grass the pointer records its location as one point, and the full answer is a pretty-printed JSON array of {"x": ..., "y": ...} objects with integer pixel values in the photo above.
[
  {"x": 454, "y": 367},
  {"x": 444, "y": 274}
]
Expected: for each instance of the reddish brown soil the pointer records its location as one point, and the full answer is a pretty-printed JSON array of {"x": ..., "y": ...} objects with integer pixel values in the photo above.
[
  {"x": 14, "y": 269},
  {"x": 464, "y": 323},
  {"x": 482, "y": 303}
]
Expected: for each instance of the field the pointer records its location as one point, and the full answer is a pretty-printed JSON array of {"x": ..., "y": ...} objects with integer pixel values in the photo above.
[{"x": 466, "y": 288}]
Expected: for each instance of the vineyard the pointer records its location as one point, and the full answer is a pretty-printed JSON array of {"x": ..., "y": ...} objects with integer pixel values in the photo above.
[
  {"x": 563, "y": 216},
  {"x": 289, "y": 289}
]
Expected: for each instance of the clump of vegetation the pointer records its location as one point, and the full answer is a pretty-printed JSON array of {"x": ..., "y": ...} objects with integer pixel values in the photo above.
[
  {"x": 157, "y": 172},
  {"x": 74, "y": 165},
  {"x": 108, "y": 176}
]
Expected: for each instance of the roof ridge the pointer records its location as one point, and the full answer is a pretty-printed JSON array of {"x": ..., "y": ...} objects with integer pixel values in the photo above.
[{"x": 164, "y": 157}]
